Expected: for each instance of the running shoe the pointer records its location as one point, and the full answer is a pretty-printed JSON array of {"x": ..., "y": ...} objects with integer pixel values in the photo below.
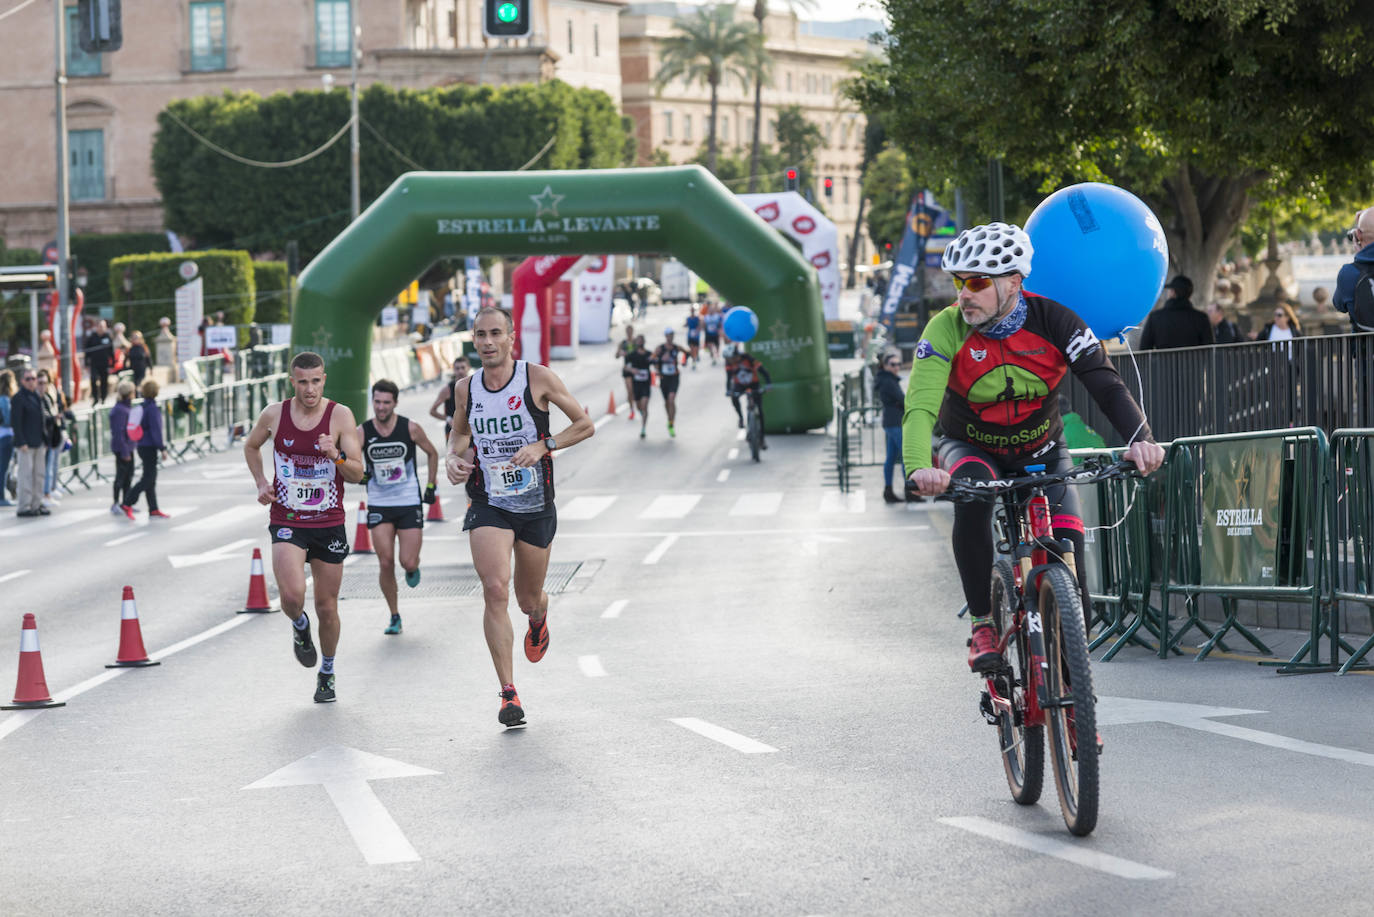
[
  {"x": 413, "y": 577},
  {"x": 116, "y": 509},
  {"x": 982, "y": 650},
  {"x": 303, "y": 645},
  {"x": 157, "y": 514},
  {"x": 672, "y": 431},
  {"x": 642, "y": 434},
  {"x": 127, "y": 510},
  {"x": 512, "y": 714},
  {"x": 395, "y": 626},
  {"x": 537, "y": 640},
  {"x": 324, "y": 688}
]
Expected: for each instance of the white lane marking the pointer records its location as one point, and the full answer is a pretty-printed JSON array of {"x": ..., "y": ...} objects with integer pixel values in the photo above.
[
  {"x": 739, "y": 436},
  {"x": 717, "y": 533},
  {"x": 614, "y": 609},
  {"x": 591, "y": 666},
  {"x": 603, "y": 421},
  {"x": 660, "y": 549},
  {"x": 59, "y": 519},
  {"x": 223, "y": 552},
  {"x": 723, "y": 736},
  {"x": 116, "y": 542},
  {"x": 15, "y": 575},
  {"x": 670, "y": 506},
  {"x": 585, "y": 507},
  {"x": 199, "y": 638},
  {"x": 832, "y": 501},
  {"x": 732, "y": 454},
  {"x": 759, "y": 504},
  {"x": 1052, "y": 846},
  {"x": 723, "y": 476},
  {"x": 224, "y": 517}
]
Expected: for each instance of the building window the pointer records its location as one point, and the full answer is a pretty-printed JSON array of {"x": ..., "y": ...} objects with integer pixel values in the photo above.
[
  {"x": 845, "y": 182},
  {"x": 667, "y": 125},
  {"x": 828, "y": 85},
  {"x": 570, "y": 37},
  {"x": 686, "y": 128},
  {"x": 333, "y": 33},
  {"x": 207, "y": 35},
  {"x": 827, "y": 135},
  {"x": 596, "y": 40},
  {"x": 724, "y": 129},
  {"x": 79, "y": 63},
  {"x": 86, "y": 165}
]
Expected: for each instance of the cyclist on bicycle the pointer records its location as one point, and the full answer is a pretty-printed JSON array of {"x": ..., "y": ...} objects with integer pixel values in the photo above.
[
  {"x": 987, "y": 374},
  {"x": 743, "y": 373}
]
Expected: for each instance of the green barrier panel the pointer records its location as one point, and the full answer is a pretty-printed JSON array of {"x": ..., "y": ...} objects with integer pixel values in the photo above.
[
  {"x": 1352, "y": 526},
  {"x": 681, "y": 210}
]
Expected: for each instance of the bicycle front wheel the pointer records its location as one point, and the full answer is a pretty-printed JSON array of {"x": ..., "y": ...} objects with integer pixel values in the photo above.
[
  {"x": 1071, "y": 712},
  {"x": 1023, "y": 746},
  {"x": 754, "y": 434}
]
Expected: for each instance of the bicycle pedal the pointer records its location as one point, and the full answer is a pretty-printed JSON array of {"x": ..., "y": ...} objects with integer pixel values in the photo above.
[{"x": 985, "y": 708}]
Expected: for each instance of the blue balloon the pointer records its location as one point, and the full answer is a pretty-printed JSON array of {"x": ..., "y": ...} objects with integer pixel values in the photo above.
[
  {"x": 1100, "y": 251},
  {"x": 741, "y": 324}
]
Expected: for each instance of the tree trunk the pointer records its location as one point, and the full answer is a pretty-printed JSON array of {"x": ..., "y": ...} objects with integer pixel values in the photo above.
[
  {"x": 760, "y": 11},
  {"x": 711, "y": 136},
  {"x": 858, "y": 228}
]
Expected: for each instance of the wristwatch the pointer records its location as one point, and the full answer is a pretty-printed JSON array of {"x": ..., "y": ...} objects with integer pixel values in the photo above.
[
  {"x": 341, "y": 459},
  {"x": 550, "y": 443}
]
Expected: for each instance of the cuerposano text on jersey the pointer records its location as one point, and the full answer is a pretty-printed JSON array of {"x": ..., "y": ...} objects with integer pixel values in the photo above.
[
  {"x": 1021, "y": 437},
  {"x": 489, "y": 425}
]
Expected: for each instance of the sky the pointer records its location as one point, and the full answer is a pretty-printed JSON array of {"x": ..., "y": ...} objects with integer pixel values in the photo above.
[{"x": 837, "y": 10}]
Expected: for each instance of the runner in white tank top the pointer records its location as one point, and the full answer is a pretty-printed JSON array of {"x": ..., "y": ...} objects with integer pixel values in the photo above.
[{"x": 503, "y": 412}]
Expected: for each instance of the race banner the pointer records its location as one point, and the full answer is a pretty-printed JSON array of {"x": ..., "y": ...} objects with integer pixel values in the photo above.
[
  {"x": 1240, "y": 513},
  {"x": 472, "y": 287},
  {"x": 923, "y": 219}
]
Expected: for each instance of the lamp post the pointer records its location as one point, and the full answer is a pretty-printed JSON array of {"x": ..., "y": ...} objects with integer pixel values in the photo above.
[
  {"x": 64, "y": 341},
  {"x": 355, "y": 32}
]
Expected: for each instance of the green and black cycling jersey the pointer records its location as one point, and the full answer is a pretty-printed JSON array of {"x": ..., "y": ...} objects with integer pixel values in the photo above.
[{"x": 1000, "y": 392}]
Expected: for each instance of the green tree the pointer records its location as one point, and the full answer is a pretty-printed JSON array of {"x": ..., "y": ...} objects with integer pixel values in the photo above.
[
  {"x": 709, "y": 48},
  {"x": 761, "y": 76},
  {"x": 888, "y": 184},
  {"x": 798, "y": 139},
  {"x": 1199, "y": 107}
]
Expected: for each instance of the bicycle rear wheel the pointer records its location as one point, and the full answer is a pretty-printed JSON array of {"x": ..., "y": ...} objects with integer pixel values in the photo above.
[
  {"x": 754, "y": 433},
  {"x": 1073, "y": 726},
  {"x": 1023, "y": 747}
]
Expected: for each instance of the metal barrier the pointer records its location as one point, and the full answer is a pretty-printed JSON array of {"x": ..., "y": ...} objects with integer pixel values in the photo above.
[
  {"x": 859, "y": 441},
  {"x": 1352, "y": 528}
]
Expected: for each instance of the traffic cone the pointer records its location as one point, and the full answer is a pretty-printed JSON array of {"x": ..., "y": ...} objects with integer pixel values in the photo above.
[
  {"x": 131, "y": 651},
  {"x": 436, "y": 510},
  {"x": 610, "y": 407},
  {"x": 362, "y": 540},
  {"x": 257, "y": 588},
  {"x": 31, "y": 690}
]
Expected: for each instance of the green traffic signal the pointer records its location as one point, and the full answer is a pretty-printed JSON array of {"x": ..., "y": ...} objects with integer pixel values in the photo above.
[{"x": 507, "y": 12}]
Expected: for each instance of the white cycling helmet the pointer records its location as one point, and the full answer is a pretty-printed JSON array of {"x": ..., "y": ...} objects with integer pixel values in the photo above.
[
  {"x": 996, "y": 248},
  {"x": 729, "y": 351}
]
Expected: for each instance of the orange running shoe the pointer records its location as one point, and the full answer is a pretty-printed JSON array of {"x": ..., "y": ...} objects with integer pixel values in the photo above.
[
  {"x": 537, "y": 641},
  {"x": 512, "y": 714}
]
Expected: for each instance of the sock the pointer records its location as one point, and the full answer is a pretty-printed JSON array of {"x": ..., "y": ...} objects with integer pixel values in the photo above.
[
  {"x": 981, "y": 622},
  {"x": 302, "y": 622},
  {"x": 326, "y": 665},
  {"x": 510, "y": 688}
]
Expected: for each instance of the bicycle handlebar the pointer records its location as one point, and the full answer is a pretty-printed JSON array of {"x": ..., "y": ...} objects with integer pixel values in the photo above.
[{"x": 1090, "y": 472}]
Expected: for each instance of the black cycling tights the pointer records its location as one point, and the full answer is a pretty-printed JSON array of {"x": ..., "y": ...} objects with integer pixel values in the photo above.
[{"x": 973, "y": 535}]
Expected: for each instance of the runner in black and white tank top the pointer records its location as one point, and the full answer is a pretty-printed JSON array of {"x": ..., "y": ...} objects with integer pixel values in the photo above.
[
  {"x": 391, "y": 461},
  {"x": 502, "y": 422}
]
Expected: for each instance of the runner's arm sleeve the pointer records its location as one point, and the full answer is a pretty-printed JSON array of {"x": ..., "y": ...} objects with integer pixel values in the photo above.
[
  {"x": 925, "y": 389},
  {"x": 1089, "y": 361},
  {"x": 763, "y": 371}
]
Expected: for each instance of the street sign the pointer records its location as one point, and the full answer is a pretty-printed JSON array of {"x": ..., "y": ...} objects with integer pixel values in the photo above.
[{"x": 188, "y": 270}]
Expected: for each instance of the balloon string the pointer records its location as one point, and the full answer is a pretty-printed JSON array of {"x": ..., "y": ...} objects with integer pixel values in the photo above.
[{"x": 1139, "y": 384}]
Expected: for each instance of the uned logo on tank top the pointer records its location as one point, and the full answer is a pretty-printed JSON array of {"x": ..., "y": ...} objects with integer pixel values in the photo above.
[
  {"x": 513, "y": 403},
  {"x": 492, "y": 425}
]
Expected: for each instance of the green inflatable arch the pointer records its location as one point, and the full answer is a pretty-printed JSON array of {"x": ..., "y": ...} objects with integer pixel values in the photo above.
[{"x": 683, "y": 211}]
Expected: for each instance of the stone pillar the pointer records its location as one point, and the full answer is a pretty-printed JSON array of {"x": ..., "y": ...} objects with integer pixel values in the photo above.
[{"x": 165, "y": 348}]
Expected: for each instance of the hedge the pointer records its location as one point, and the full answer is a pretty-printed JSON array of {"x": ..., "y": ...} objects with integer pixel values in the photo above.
[
  {"x": 274, "y": 298},
  {"x": 229, "y": 287},
  {"x": 93, "y": 251}
]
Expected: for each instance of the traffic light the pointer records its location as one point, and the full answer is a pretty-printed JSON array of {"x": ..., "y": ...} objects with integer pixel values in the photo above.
[
  {"x": 829, "y": 184},
  {"x": 791, "y": 179},
  {"x": 99, "y": 26},
  {"x": 506, "y": 18}
]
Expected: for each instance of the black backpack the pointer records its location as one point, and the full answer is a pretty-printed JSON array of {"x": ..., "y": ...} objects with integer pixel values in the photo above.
[{"x": 1362, "y": 303}]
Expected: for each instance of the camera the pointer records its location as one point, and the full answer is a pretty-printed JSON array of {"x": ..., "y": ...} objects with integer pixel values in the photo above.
[{"x": 1350, "y": 234}]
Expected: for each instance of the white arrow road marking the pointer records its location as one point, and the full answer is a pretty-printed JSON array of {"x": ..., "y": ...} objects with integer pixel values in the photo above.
[
  {"x": 591, "y": 666},
  {"x": 1061, "y": 849},
  {"x": 660, "y": 549},
  {"x": 15, "y": 575},
  {"x": 614, "y": 609},
  {"x": 224, "y": 552},
  {"x": 1118, "y": 711},
  {"x": 345, "y": 773},
  {"x": 115, "y": 542},
  {"x": 58, "y": 520},
  {"x": 724, "y": 736},
  {"x": 224, "y": 517}
]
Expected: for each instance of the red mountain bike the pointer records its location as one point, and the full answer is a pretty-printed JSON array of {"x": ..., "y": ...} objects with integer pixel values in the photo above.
[{"x": 1045, "y": 678}]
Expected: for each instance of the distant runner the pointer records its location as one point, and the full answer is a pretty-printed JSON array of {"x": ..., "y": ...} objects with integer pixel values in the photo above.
[
  {"x": 665, "y": 360},
  {"x": 639, "y": 362},
  {"x": 394, "y": 510},
  {"x": 503, "y": 411},
  {"x": 710, "y": 323},
  {"x": 315, "y": 448},
  {"x": 622, "y": 353},
  {"x": 442, "y": 408},
  {"x": 694, "y": 336}
]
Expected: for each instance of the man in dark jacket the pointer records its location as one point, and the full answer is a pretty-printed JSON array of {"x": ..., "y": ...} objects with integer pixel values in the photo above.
[
  {"x": 1359, "y": 268},
  {"x": 99, "y": 356},
  {"x": 26, "y": 415},
  {"x": 1224, "y": 331},
  {"x": 1176, "y": 323}
]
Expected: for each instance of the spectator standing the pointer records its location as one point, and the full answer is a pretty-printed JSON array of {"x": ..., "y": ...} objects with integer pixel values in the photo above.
[
  {"x": 26, "y": 416},
  {"x": 150, "y": 446},
  {"x": 1284, "y": 327},
  {"x": 1177, "y": 323},
  {"x": 121, "y": 347},
  {"x": 122, "y": 446},
  {"x": 1358, "y": 276},
  {"x": 6, "y": 433},
  {"x": 56, "y": 413},
  {"x": 139, "y": 358},
  {"x": 1224, "y": 331},
  {"x": 99, "y": 358},
  {"x": 888, "y": 387}
]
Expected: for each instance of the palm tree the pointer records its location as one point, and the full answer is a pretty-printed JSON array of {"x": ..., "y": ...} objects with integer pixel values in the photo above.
[
  {"x": 761, "y": 13},
  {"x": 710, "y": 48}
]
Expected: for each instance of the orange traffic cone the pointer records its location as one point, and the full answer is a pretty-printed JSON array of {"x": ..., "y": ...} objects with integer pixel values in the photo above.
[
  {"x": 31, "y": 690},
  {"x": 257, "y": 587},
  {"x": 436, "y": 510},
  {"x": 131, "y": 651},
  {"x": 362, "y": 540},
  {"x": 610, "y": 408}
]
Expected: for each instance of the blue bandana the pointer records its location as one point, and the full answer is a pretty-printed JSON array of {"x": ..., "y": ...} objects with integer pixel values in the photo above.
[{"x": 1010, "y": 324}]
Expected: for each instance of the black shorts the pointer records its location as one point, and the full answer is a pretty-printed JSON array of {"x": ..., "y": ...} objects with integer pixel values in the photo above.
[
  {"x": 535, "y": 529},
  {"x": 693, "y": 340},
  {"x": 641, "y": 389},
  {"x": 327, "y": 544},
  {"x": 669, "y": 384},
  {"x": 712, "y": 338},
  {"x": 403, "y": 517}
]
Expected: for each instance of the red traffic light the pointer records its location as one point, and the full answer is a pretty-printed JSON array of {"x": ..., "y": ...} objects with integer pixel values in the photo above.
[
  {"x": 791, "y": 174},
  {"x": 829, "y": 182}
]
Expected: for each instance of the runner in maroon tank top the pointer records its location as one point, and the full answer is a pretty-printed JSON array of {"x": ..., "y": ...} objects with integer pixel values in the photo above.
[{"x": 315, "y": 448}]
